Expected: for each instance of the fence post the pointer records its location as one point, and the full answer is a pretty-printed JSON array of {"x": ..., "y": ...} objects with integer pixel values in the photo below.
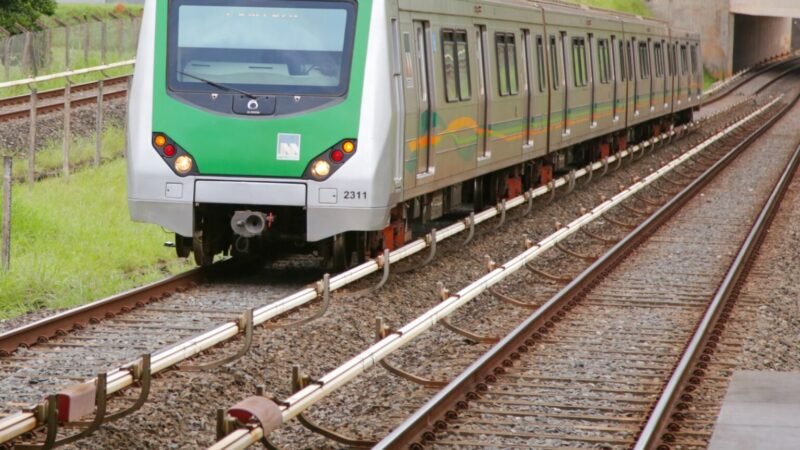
[
  {"x": 65, "y": 26},
  {"x": 32, "y": 136},
  {"x": 98, "y": 143},
  {"x": 86, "y": 38},
  {"x": 103, "y": 35},
  {"x": 6, "y": 51},
  {"x": 6, "y": 253},
  {"x": 47, "y": 38},
  {"x": 120, "y": 21},
  {"x": 67, "y": 129},
  {"x": 26, "y": 62}
]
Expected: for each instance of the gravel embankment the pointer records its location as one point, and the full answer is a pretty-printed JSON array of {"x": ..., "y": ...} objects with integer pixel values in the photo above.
[{"x": 190, "y": 399}]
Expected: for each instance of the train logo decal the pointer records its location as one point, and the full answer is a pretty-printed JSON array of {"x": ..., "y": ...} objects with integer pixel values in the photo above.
[
  {"x": 252, "y": 105},
  {"x": 288, "y": 147}
]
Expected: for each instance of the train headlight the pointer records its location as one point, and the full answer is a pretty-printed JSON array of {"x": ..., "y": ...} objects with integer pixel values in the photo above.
[
  {"x": 321, "y": 169},
  {"x": 328, "y": 162},
  {"x": 160, "y": 140},
  {"x": 183, "y": 164}
]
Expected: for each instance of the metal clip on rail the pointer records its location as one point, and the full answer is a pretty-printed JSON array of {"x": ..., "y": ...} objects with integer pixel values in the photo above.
[
  {"x": 246, "y": 324},
  {"x": 299, "y": 382},
  {"x": 470, "y": 221},
  {"x": 573, "y": 253},
  {"x": 444, "y": 294},
  {"x": 590, "y": 172},
  {"x": 491, "y": 265},
  {"x": 78, "y": 401},
  {"x": 384, "y": 262},
  {"x": 324, "y": 291},
  {"x": 593, "y": 235},
  {"x": 501, "y": 208},
  {"x": 382, "y": 331},
  {"x": 557, "y": 278},
  {"x": 571, "y": 177},
  {"x": 529, "y": 199},
  {"x": 551, "y": 186},
  {"x": 430, "y": 239}
]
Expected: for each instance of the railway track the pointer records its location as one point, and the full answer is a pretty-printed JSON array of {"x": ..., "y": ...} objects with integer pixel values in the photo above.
[
  {"x": 13, "y": 108},
  {"x": 751, "y": 84},
  {"x": 126, "y": 374},
  {"x": 313, "y": 390},
  {"x": 618, "y": 357}
]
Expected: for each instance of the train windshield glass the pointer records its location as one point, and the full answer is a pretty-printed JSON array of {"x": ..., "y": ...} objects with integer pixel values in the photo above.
[{"x": 262, "y": 47}]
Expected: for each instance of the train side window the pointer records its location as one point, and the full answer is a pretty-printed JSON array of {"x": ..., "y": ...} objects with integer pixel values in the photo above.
[
  {"x": 670, "y": 64},
  {"x": 629, "y": 61},
  {"x": 694, "y": 60},
  {"x": 507, "y": 64},
  {"x": 540, "y": 68},
  {"x": 456, "y": 65},
  {"x": 513, "y": 73},
  {"x": 554, "y": 63},
  {"x": 659, "y": 56},
  {"x": 463, "y": 73},
  {"x": 622, "y": 72},
  {"x": 604, "y": 60},
  {"x": 449, "y": 55},
  {"x": 684, "y": 62},
  {"x": 579, "y": 69},
  {"x": 502, "y": 65},
  {"x": 644, "y": 61}
]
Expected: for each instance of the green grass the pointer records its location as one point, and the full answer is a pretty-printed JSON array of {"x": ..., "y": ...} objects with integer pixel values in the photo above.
[
  {"x": 629, "y": 6},
  {"x": 73, "y": 242},
  {"x": 708, "y": 79},
  {"x": 49, "y": 159},
  {"x": 70, "y": 10}
]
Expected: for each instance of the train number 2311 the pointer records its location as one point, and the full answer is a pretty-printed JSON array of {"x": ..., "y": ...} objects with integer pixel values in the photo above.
[{"x": 355, "y": 195}]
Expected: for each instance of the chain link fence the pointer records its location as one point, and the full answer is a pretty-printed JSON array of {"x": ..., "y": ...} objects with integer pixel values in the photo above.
[{"x": 59, "y": 46}]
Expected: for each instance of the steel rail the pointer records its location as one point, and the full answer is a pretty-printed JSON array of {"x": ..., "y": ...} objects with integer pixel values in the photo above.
[
  {"x": 56, "y": 93},
  {"x": 659, "y": 418},
  {"x": 120, "y": 378},
  {"x": 711, "y": 96},
  {"x": 59, "y": 92},
  {"x": 69, "y": 73},
  {"x": 319, "y": 389},
  {"x": 411, "y": 430},
  {"x": 42, "y": 330},
  {"x": 25, "y": 421}
]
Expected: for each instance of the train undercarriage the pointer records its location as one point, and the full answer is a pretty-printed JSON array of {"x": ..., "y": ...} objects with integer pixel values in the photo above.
[{"x": 244, "y": 231}]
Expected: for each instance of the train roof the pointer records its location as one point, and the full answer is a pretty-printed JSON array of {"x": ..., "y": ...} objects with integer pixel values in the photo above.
[{"x": 596, "y": 13}]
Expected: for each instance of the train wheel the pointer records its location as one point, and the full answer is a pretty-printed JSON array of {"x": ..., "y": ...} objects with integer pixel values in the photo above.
[
  {"x": 203, "y": 253},
  {"x": 183, "y": 246},
  {"x": 347, "y": 251}
]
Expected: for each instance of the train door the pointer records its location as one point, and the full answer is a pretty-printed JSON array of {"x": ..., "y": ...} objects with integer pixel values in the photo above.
[
  {"x": 591, "y": 81},
  {"x": 564, "y": 59},
  {"x": 527, "y": 141},
  {"x": 615, "y": 79},
  {"x": 650, "y": 73},
  {"x": 482, "y": 115}
]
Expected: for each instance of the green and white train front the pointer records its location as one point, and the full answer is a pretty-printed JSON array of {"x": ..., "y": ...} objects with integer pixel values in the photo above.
[{"x": 268, "y": 118}]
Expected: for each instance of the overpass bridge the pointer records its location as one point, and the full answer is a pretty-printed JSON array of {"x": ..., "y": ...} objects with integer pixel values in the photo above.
[{"x": 736, "y": 33}]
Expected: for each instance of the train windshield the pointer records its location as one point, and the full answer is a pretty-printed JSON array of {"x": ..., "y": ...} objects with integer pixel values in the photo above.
[{"x": 261, "y": 47}]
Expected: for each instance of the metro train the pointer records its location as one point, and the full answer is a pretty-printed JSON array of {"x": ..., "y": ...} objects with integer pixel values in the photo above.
[{"x": 342, "y": 127}]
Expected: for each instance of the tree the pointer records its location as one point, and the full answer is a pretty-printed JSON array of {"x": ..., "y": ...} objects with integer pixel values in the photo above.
[{"x": 24, "y": 12}]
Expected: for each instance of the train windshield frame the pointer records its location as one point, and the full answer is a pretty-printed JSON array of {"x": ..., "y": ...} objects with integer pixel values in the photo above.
[{"x": 261, "y": 47}]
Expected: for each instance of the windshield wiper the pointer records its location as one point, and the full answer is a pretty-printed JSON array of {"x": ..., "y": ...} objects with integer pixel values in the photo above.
[{"x": 219, "y": 85}]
